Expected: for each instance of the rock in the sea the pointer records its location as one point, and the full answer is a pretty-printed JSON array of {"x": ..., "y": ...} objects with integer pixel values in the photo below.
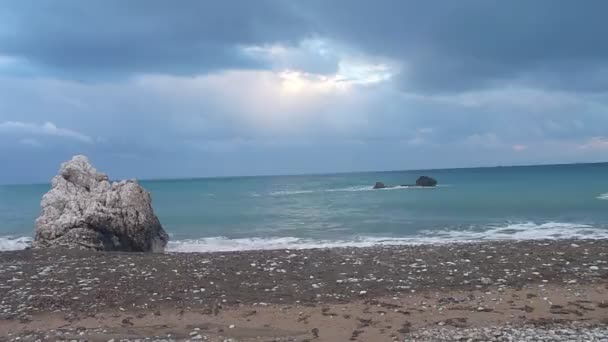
[
  {"x": 426, "y": 181},
  {"x": 379, "y": 185},
  {"x": 84, "y": 210}
]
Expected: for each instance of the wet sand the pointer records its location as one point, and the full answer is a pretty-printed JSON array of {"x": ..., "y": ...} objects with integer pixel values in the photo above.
[{"x": 341, "y": 294}]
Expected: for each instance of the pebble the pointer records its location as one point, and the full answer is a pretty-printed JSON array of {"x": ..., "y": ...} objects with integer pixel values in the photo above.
[
  {"x": 486, "y": 281},
  {"x": 574, "y": 332},
  {"x": 54, "y": 282}
]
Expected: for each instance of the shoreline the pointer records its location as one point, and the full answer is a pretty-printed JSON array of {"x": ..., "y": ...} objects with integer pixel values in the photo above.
[
  {"x": 515, "y": 232},
  {"x": 376, "y": 293}
]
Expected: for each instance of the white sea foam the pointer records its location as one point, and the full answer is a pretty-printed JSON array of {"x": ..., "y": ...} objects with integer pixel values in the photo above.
[
  {"x": 521, "y": 231},
  {"x": 351, "y": 188},
  {"x": 8, "y": 243},
  {"x": 524, "y": 231},
  {"x": 290, "y": 192},
  {"x": 348, "y": 189},
  {"x": 369, "y": 188},
  {"x": 299, "y": 192},
  {"x": 603, "y": 196},
  {"x": 516, "y": 231}
]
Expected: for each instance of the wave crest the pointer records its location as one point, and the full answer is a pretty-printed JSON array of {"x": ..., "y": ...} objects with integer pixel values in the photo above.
[
  {"x": 290, "y": 192},
  {"x": 513, "y": 232},
  {"x": 524, "y": 231},
  {"x": 8, "y": 243},
  {"x": 347, "y": 189},
  {"x": 516, "y": 232}
]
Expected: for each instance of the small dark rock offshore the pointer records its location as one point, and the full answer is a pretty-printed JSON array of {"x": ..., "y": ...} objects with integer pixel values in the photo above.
[
  {"x": 426, "y": 181},
  {"x": 379, "y": 185},
  {"x": 84, "y": 210}
]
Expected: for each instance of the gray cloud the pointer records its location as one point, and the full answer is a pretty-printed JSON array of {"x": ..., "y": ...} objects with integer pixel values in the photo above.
[
  {"x": 205, "y": 126},
  {"x": 45, "y": 129},
  {"x": 117, "y": 37},
  {"x": 199, "y": 85},
  {"x": 457, "y": 45},
  {"x": 446, "y": 46}
]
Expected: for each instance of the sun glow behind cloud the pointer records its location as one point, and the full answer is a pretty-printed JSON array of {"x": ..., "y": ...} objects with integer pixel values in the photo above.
[
  {"x": 321, "y": 66},
  {"x": 255, "y": 103},
  {"x": 349, "y": 75},
  {"x": 288, "y": 98},
  {"x": 296, "y": 82}
]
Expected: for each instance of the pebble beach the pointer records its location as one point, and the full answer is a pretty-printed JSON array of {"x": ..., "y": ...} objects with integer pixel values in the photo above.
[{"x": 487, "y": 291}]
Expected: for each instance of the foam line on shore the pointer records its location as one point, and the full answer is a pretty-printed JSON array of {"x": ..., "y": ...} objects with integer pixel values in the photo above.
[
  {"x": 515, "y": 231},
  {"x": 520, "y": 231},
  {"x": 9, "y": 243}
]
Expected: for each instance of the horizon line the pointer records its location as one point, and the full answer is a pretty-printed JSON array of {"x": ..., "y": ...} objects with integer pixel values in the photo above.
[{"x": 169, "y": 179}]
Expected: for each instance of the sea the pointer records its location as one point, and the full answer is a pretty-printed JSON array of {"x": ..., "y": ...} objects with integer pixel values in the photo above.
[{"x": 335, "y": 210}]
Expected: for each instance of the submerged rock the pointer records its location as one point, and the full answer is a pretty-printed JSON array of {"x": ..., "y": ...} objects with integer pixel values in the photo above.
[
  {"x": 84, "y": 210},
  {"x": 426, "y": 181},
  {"x": 379, "y": 185}
]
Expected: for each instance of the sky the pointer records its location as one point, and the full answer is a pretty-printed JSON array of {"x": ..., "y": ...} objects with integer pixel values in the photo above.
[{"x": 170, "y": 89}]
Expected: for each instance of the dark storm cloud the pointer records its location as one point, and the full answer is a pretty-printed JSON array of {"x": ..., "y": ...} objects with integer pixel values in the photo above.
[
  {"x": 455, "y": 45},
  {"x": 445, "y": 45},
  {"x": 179, "y": 37}
]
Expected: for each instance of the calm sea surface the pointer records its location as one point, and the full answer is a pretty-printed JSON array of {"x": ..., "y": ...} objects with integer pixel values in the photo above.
[{"x": 342, "y": 209}]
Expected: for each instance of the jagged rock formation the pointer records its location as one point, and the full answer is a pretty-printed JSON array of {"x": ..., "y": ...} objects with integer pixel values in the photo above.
[{"x": 84, "y": 210}]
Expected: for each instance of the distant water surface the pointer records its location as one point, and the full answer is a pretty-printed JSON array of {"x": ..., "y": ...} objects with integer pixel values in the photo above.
[{"x": 342, "y": 209}]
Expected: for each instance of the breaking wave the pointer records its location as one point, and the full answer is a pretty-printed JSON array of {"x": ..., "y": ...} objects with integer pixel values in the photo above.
[
  {"x": 8, "y": 243},
  {"x": 521, "y": 231},
  {"x": 347, "y": 189},
  {"x": 516, "y": 232},
  {"x": 524, "y": 231},
  {"x": 292, "y": 192},
  {"x": 603, "y": 196}
]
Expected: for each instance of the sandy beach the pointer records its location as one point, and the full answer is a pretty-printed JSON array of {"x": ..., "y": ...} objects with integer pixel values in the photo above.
[{"x": 477, "y": 291}]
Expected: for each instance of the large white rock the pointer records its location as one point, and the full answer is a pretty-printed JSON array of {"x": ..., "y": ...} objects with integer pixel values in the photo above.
[{"x": 84, "y": 210}]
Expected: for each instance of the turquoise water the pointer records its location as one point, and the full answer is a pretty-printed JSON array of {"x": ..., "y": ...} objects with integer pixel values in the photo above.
[{"x": 342, "y": 209}]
